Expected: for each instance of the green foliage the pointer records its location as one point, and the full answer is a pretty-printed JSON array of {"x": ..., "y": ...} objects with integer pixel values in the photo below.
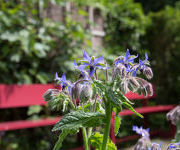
[
  {"x": 62, "y": 136},
  {"x": 117, "y": 124},
  {"x": 78, "y": 119},
  {"x": 164, "y": 42},
  {"x": 125, "y": 24},
  {"x": 96, "y": 140},
  {"x": 113, "y": 96},
  {"x": 58, "y": 102},
  {"x": 31, "y": 44}
]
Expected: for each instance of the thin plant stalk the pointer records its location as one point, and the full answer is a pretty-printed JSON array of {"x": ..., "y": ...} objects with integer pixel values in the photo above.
[
  {"x": 85, "y": 138},
  {"x": 107, "y": 126}
]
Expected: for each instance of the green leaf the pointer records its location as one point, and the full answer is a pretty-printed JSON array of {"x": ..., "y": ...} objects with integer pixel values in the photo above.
[
  {"x": 123, "y": 98},
  {"x": 117, "y": 124},
  {"x": 113, "y": 98},
  {"x": 34, "y": 110},
  {"x": 78, "y": 119},
  {"x": 128, "y": 106},
  {"x": 99, "y": 86},
  {"x": 62, "y": 136},
  {"x": 96, "y": 140}
]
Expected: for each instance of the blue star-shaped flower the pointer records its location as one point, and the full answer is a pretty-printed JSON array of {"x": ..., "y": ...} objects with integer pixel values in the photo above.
[
  {"x": 127, "y": 59},
  {"x": 92, "y": 62},
  {"x": 62, "y": 80}
]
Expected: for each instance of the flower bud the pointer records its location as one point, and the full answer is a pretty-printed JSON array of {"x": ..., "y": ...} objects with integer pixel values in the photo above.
[
  {"x": 173, "y": 115},
  {"x": 75, "y": 91},
  {"x": 148, "y": 72},
  {"x": 133, "y": 84},
  {"x": 50, "y": 94},
  {"x": 118, "y": 58},
  {"x": 85, "y": 93},
  {"x": 144, "y": 91},
  {"x": 124, "y": 87},
  {"x": 156, "y": 146},
  {"x": 142, "y": 144},
  {"x": 119, "y": 70},
  {"x": 149, "y": 89}
]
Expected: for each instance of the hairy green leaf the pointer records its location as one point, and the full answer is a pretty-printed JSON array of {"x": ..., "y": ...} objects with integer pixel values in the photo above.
[
  {"x": 117, "y": 124},
  {"x": 96, "y": 140},
  {"x": 123, "y": 98},
  {"x": 128, "y": 106},
  {"x": 113, "y": 98},
  {"x": 78, "y": 119},
  {"x": 62, "y": 136},
  {"x": 100, "y": 88}
]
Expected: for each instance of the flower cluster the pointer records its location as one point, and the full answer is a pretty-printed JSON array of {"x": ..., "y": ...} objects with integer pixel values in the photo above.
[
  {"x": 144, "y": 143},
  {"x": 126, "y": 70},
  {"x": 82, "y": 89},
  {"x": 92, "y": 101}
]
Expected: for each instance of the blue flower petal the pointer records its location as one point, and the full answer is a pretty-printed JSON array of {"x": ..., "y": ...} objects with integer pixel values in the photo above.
[
  {"x": 98, "y": 60},
  {"x": 127, "y": 55},
  {"x": 86, "y": 56},
  {"x": 119, "y": 61},
  {"x": 146, "y": 56},
  {"x": 63, "y": 77},
  {"x": 101, "y": 67},
  {"x": 81, "y": 67},
  {"x": 75, "y": 64}
]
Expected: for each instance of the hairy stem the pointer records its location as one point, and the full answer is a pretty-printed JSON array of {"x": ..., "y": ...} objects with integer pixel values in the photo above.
[
  {"x": 107, "y": 126},
  {"x": 89, "y": 135},
  {"x": 85, "y": 138}
]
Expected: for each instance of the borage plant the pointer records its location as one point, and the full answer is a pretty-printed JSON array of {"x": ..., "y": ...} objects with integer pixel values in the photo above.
[{"x": 91, "y": 101}]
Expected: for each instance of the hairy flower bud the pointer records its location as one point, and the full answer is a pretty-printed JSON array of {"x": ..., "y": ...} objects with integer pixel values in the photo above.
[
  {"x": 75, "y": 91},
  {"x": 50, "y": 94},
  {"x": 142, "y": 143},
  {"x": 86, "y": 93},
  {"x": 133, "y": 84},
  {"x": 124, "y": 87},
  {"x": 119, "y": 70},
  {"x": 156, "y": 146},
  {"x": 144, "y": 91},
  {"x": 149, "y": 89},
  {"x": 118, "y": 58},
  {"x": 148, "y": 72},
  {"x": 174, "y": 115},
  {"x": 145, "y": 87}
]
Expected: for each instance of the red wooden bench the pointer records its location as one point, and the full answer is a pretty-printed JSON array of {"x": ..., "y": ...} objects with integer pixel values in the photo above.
[{"x": 14, "y": 96}]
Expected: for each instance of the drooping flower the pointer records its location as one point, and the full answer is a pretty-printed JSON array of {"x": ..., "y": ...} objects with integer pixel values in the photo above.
[{"x": 91, "y": 62}]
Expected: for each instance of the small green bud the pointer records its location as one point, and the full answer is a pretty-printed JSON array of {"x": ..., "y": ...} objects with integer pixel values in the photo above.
[{"x": 50, "y": 94}]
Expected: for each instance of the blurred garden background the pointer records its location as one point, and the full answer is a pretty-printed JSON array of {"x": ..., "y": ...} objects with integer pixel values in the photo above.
[{"x": 41, "y": 37}]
